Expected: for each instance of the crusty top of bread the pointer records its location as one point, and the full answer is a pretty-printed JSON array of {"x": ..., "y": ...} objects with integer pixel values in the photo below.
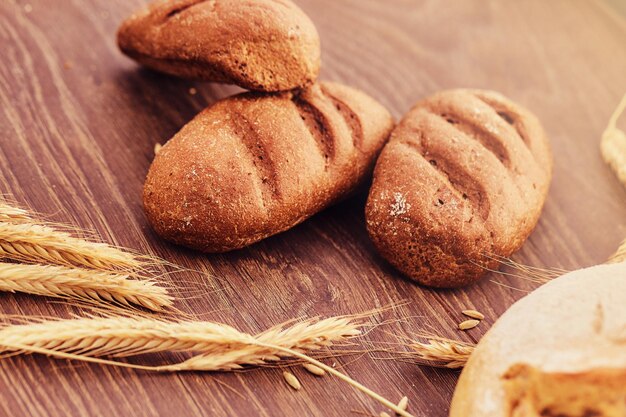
[
  {"x": 465, "y": 174},
  {"x": 253, "y": 165},
  {"x": 265, "y": 45},
  {"x": 575, "y": 324}
]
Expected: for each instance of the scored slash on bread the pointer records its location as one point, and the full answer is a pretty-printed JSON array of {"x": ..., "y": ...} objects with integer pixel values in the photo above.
[
  {"x": 462, "y": 179},
  {"x": 253, "y": 165},
  {"x": 264, "y": 45}
]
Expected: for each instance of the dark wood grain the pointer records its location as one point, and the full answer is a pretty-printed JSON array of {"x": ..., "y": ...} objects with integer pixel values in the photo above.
[{"x": 78, "y": 123}]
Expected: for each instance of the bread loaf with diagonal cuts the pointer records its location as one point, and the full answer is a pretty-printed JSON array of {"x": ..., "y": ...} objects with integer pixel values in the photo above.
[
  {"x": 265, "y": 45},
  {"x": 461, "y": 182},
  {"x": 253, "y": 165}
]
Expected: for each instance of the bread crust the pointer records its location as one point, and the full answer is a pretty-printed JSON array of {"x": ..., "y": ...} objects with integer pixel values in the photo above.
[
  {"x": 569, "y": 331},
  {"x": 253, "y": 165},
  {"x": 462, "y": 180},
  {"x": 263, "y": 45}
]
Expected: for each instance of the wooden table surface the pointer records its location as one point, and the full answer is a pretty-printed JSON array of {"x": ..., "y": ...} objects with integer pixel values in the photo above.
[{"x": 78, "y": 123}]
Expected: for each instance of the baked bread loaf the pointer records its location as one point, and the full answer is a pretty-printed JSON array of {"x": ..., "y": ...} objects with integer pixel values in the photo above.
[
  {"x": 462, "y": 181},
  {"x": 253, "y": 165},
  {"x": 266, "y": 45},
  {"x": 560, "y": 351}
]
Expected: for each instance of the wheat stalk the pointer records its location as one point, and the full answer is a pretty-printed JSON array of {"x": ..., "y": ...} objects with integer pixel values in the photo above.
[
  {"x": 13, "y": 214},
  {"x": 82, "y": 284},
  {"x": 613, "y": 144},
  {"x": 219, "y": 347},
  {"x": 29, "y": 242}
]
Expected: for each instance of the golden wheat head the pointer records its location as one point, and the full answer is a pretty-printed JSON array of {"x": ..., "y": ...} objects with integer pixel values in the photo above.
[
  {"x": 222, "y": 347},
  {"x": 10, "y": 213},
  {"x": 90, "y": 286},
  {"x": 441, "y": 352},
  {"x": 29, "y": 242},
  {"x": 218, "y": 347}
]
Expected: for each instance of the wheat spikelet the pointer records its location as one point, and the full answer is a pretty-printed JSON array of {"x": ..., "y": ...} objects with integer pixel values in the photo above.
[
  {"x": 613, "y": 144},
  {"x": 442, "y": 352},
  {"x": 82, "y": 284},
  {"x": 619, "y": 256},
  {"x": 13, "y": 214},
  {"x": 29, "y": 242}
]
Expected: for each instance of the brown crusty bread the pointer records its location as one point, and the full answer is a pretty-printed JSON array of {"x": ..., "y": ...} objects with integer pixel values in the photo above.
[
  {"x": 560, "y": 351},
  {"x": 462, "y": 181},
  {"x": 265, "y": 45},
  {"x": 253, "y": 165}
]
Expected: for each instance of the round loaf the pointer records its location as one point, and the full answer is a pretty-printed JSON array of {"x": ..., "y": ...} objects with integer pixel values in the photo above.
[
  {"x": 560, "y": 351},
  {"x": 253, "y": 165},
  {"x": 265, "y": 45},
  {"x": 461, "y": 182}
]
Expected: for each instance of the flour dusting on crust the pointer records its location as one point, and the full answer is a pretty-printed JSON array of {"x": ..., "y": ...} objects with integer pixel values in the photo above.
[{"x": 399, "y": 206}]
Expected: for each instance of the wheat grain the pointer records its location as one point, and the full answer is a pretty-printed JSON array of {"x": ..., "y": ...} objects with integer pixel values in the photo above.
[
  {"x": 292, "y": 380},
  {"x": 315, "y": 370},
  {"x": 468, "y": 324},
  {"x": 613, "y": 144},
  {"x": 474, "y": 314},
  {"x": 403, "y": 403},
  {"x": 441, "y": 352},
  {"x": 619, "y": 255},
  {"x": 29, "y": 242},
  {"x": 82, "y": 284}
]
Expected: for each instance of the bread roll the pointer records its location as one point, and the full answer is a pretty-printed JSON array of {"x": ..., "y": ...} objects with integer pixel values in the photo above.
[
  {"x": 560, "y": 351},
  {"x": 266, "y": 45},
  {"x": 462, "y": 180},
  {"x": 253, "y": 165}
]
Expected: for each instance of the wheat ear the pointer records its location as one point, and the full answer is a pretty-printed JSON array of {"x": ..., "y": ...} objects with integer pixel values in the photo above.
[
  {"x": 219, "y": 347},
  {"x": 82, "y": 284},
  {"x": 13, "y": 214},
  {"x": 126, "y": 336},
  {"x": 613, "y": 144},
  {"x": 29, "y": 242},
  {"x": 441, "y": 352}
]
